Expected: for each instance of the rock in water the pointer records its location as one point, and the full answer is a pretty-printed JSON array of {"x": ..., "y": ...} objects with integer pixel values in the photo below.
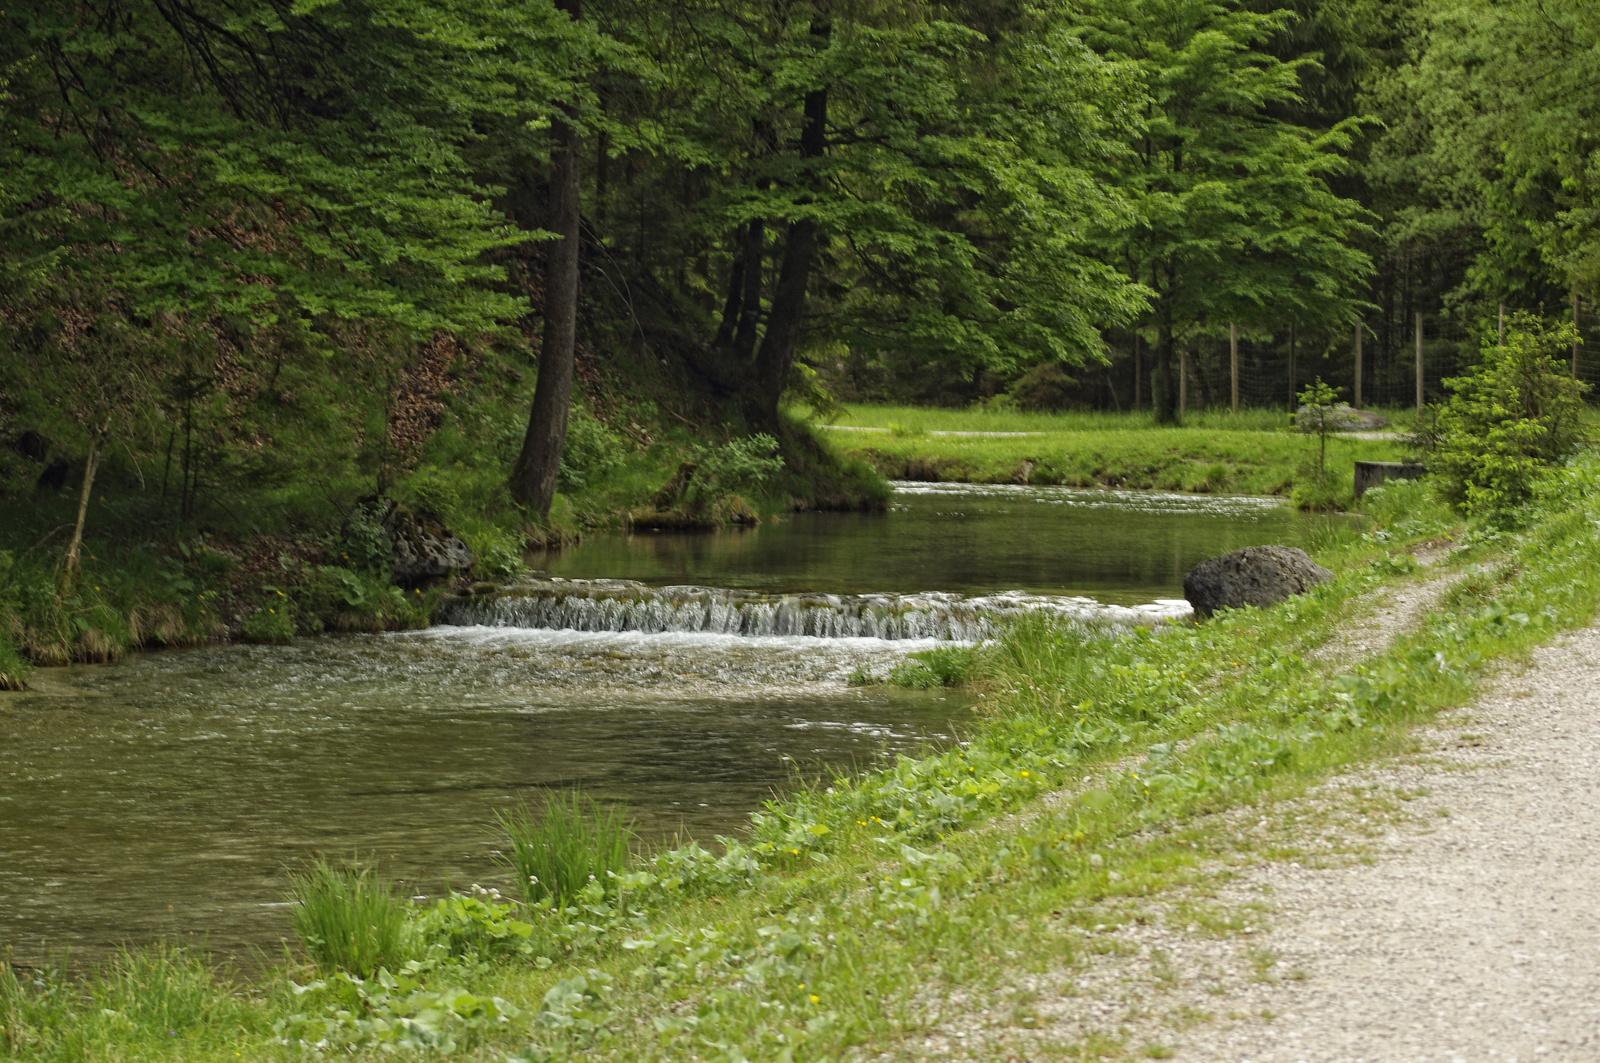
[
  {"x": 423, "y": 547},
  {"x": 1257, "y": 575}
]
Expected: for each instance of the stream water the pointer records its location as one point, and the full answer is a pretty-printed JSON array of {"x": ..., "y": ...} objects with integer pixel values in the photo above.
[{"x": 689, "y": 676}]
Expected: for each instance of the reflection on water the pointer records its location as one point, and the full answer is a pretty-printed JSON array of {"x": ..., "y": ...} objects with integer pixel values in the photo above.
[
  {"x": 1121, "y": 547},
  {"x": 166, "y": 795}
]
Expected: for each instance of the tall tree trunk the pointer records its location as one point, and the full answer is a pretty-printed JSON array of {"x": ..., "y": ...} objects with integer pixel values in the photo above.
[
  {"x": 533, "y": 478},
  {"x": 735, "y": 299},
  {"x": 777, "y": 352},
  {"x": 754, "y": 249},
  {"x": 91, "y": 464}
]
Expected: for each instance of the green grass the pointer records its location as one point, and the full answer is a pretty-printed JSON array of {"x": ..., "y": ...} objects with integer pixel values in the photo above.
[
  {"x": 570, "y": 842},
  {"x": 349, "y": 919},
  {"x": 1257, "y": 452},
  {"x": 856, "y": 909}
]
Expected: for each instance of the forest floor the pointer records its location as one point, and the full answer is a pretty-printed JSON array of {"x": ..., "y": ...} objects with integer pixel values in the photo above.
[{"x": 1256, "y": 452}]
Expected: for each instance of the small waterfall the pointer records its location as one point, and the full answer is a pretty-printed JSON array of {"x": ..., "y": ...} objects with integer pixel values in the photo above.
[{"x": 623, "y": 605}]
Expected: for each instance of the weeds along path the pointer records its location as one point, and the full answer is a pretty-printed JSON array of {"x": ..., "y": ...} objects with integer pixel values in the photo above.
[{"x": 1467, "y": 931}]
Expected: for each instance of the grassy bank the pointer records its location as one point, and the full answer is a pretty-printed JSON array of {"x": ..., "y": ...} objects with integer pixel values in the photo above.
[
  {"x": 858, "y": 911},
  {"x": 281, "y": 546},
  {"x": 1257, "y": 452}
]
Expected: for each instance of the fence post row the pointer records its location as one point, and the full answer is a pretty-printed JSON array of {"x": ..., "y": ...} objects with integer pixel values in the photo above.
[{"x": 1233, "y": 362}]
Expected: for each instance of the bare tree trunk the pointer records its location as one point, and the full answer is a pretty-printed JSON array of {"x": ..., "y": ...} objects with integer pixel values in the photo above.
[
  {"x": 533, "y": 478},
  {"x": 91, "y": 465}
]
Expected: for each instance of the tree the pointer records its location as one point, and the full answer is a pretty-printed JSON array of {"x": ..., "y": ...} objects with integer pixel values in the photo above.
[
  {"x": 257, "y": 174},
  {"x": 1508, "y": 93},
  {"x": 1510, "y": 419},
  {"x": 1236, "y": 220},
  {"x": 533, "y": 477},
  {"x": 801, "y": 178}
]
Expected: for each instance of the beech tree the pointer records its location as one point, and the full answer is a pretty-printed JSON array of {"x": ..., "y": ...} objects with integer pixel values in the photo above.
[{"x": 1236, "y": 221}]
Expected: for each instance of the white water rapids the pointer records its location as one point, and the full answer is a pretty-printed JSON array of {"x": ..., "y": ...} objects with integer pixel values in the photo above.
[{"x": 623, "y": 605}]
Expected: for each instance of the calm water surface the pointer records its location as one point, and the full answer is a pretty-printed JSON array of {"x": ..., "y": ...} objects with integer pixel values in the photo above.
[
  {"x": 1122, "y": 547},
  {"x": 167, "y": 795}
]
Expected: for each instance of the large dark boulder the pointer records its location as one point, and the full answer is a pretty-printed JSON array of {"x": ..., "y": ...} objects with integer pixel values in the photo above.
[{"x": 1257, "y": 575}]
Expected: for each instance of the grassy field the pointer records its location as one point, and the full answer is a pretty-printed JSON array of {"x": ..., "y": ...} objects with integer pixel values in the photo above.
[
  {"x": 866, "y": 912},
  {"x": 1257, "y": 452}
]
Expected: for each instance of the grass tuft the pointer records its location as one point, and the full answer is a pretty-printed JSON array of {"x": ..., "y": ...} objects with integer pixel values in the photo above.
[
  {"x": 554, "y": 854},
  {"x": 349, "y": 918}
]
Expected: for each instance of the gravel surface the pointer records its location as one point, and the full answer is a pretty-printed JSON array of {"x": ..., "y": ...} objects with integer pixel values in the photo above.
[
  {"x": 1466, "y": 929},
  {"x": 1477, "y": 939}
]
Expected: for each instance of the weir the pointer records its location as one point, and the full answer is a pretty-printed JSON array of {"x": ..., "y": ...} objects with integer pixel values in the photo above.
[{"x": 624, "y": 605}]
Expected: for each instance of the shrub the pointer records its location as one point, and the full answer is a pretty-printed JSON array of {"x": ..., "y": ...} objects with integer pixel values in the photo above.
[
  {"x": 944, "y": 667},
  {"x": 1510, "y": 420},
  {"x": 432, "y": 491},
  {"x": 274, "y": 624},
  {"x": 1045, "y": 387},
  {"x": 349, "y": 919},
  {"x": 498, "y": 551},
  {"x": 364, "y": 544},
  {"x": 737, "y": 467},
  {"x": 553, "y": 855},
  {"x": 590, "y": 453}
]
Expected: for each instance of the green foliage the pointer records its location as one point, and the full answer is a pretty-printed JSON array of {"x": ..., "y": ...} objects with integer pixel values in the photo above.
[
  {"x": 155, "y": 1001},
  {"x": 479, "y": 925},
  {"x": 944, "y": 667},
  {"x": 364, "y": 545},
  {"x": 434, "y": 491},
  {"x": 349, "y": 918},
  {"x": 1044, "y": 387},
  {"x": 499, "y": 552},
  {"x": 1318, "y": 416},
  {"x": 1237, "y": 217},
  {"x": 394, "y": 1011},
  {"x": 731, "y": 470},
  {"x": 591, "y": 452},
  {"x": 1510, "y": 420},
  {"x": 570, "y": 842},
  {"x": 273, "y": 623}
]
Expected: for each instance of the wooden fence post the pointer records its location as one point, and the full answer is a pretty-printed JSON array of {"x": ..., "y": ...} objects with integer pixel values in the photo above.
[
  {"x": 1419, "y": 363},
  {"x": 1183, "y": 382},
  {"x": 1292, "y": 403},
  {"x": 1358, "y": 365},
  {"x": 1136, "y": 339},
  {"x": 1233, "y": 363}
]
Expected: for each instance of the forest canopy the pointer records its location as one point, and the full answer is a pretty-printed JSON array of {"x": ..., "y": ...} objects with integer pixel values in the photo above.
[{"x": 280, "y": 220}]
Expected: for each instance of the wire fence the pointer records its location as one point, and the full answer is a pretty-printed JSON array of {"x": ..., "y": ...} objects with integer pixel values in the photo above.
[{"x": 1392, "y": 364}]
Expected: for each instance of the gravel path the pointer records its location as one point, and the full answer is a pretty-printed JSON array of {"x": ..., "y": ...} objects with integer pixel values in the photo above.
[
  {"x": 1469, "y": 934},
  {"x": 1478, "y": 939}
]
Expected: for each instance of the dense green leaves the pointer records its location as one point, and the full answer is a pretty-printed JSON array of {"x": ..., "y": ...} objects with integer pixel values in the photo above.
[{"x": 1236, "y": 220}]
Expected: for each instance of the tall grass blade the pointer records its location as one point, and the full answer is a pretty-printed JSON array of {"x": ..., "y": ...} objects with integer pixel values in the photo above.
[
  {"x": 349, "y": 918},
  {"x": 555, "y": 853}
]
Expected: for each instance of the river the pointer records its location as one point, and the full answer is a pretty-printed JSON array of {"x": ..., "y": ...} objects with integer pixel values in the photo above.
[{"x": 168, "y": 795}]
